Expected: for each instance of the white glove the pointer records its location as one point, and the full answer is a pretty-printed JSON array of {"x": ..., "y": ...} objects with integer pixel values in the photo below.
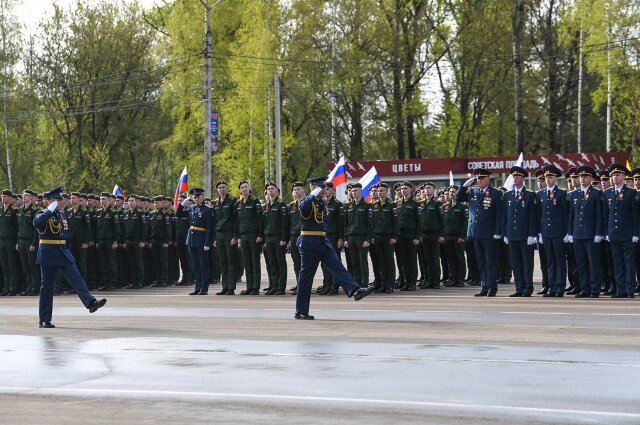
[
  {"x": 206, "y": 248},
  {"x": 497, "y": 237},
  {"x": 598, "y": 239},
  {"x": 606, "y": 238},
  {"x": 316, "y": 191},
  {"x": 506, "y": 241},
  {"x": 635, "y": 239},
  {"x": 184, "y": 203},
  {"x": 540, "y": 238},
  {"x": 570, "y": 238},
  {"x": 531, "y": 240},
  {"x": 52, "y": 206},
  {"x": 469, "y": 182}
]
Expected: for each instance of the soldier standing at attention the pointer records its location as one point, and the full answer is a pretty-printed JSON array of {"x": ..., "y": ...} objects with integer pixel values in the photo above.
[
  {"x": 54, "y": 255},
  {"x": 107, "y": 236},
  {"x": 621, "y": 217},
  {"x": 250, "y": 229},
  {"x": 356, "y": 235},
  {"x": 297, "y": 192},
  {"x": 315, "y": 248},
  {"x": 182, "y": 228},
  {"x": 485, "y": 226},
  {"x": 520, "y": 231},
  {"x": 134, "y": 236},
  {"x": 573, "y": 185},
  {"x": 408, "y": 219},
  {"x": 276, "y": 234},
  {"x": 541, "y": 186},
  {"x": 226, "y": 217},
  {"x": 454, "y": 233},
  {"x": 586, "y": 231},
  {"x": 8, "y": 238},
  {"x": 431, "y": 225},
  {"x": 384, "y": 230},
  {"x": 553, "y": 217},
  {"x": 28, "y": 242},
  {"x": 199, "y": 237},
  {"x": 159, "y": 237},
  {"x": 79, "y": 232}
]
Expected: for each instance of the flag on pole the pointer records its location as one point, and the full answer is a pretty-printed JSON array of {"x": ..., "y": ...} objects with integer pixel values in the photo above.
[
  {"x": 367, "y": 181},
  {"x": 629, "y": 167},
  {"x": 183, "y": 186},
  {"x": 117, "y": 191},
  {"x": 508, "y": 183},
  {"x": 338, "y": 177},
  {"x": 451, "y": 183}
]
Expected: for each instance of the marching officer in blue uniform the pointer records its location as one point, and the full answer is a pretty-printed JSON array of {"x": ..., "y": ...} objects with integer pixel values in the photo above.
[
  {"x": 54, "y": 254},
  {"x": 585, "y": 231},
  {"x": 199, "y": 240},
  {"x": 485, "y": 226},
  {"x": 621, "y": 217},
  {"x": 315, "y": 248},
  {"x": 520, "y": 231},
  {"x": 553, "y": 217}
]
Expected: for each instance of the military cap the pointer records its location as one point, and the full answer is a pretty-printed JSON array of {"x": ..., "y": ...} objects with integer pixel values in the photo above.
[
  {"x": 53, "y": 194},
  {"x": 329, "y": 184},
  {"x": 121, "y": 197},
  {"x": 18, "y": 196},
  {"x": 40, "y": 197},
  {"x": 406, "y": 183},
  {"x": 429, "y": 183},
  {"x": 481, "y": 172},
  {"x": 357, "y": 185},
  {"x": 207, "y": 199},
  {"x": 94, "y": 197},
  {"x": 242, "y": 182},
  {"x": 381, "y": 184},
  {"x": 604, "y": 175},
  {"x": 397, "y": 185},
  {"x": 349, "y": 186},
  {"x": 266, "y": 186},
  {"x": 635, "y": 173},
  {"x": 616, "y": 167},
  {"x": 166, "y": 198},
  {"x": 7, "y": 192},
  {"x": 502, "y": 188},
  {"x": 573, "y": 172},
  {"x": 318, "y": 181},
  {"x": 181, "y": 196},
  {"x": 453, "y": 186},
  {"x": 66, "y": 196},
  {"x": 221, "y": 182},
  {"x": 518, "y": 171},
  {"x": 112, "y": 196},
  {"x": 297, "y": 184},
  {"x": 596, "y": 178},
  {"x": 540, "y": 174},
  {"x": 78, "y": 194},
  {"x": 30, "y": 192},
  {"x": 105, "y": 194},
  {"x": 196, "y": 191},
  {"x": 585, "y": 170},
  {"x": 551, "y": 170}
]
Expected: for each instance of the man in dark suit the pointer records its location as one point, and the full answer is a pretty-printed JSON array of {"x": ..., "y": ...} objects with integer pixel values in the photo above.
[
  {"x": 585, "y": 231},
  {"x": 621, "y": 216},
  {"x": 485, "y": 226},
  {"x": 54, "y": 254},
  {"x": 553, "y": 216},
  {"x": 520, "y": 231},
  {"x": 199, "y": 239}
]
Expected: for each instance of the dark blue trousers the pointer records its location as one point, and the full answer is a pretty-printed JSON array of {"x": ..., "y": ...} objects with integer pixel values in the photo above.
[
  {"x": 588, "y": 265},
  {"x": 487, "y": 257},
  {"x": 624, "y": 265},
  {"x": 200, "y": 261},
  {"x": 322, "y": 251},
  {"x": 47, "y": 283},
  {"x": 522, "y": 266},
  {"x": 554, "y": 249}
]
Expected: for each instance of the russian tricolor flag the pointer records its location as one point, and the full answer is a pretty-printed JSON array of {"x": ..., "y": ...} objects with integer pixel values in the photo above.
[
  {"x": 339, "y": 175},
  {"x": 117, "y": 190},
  {"x": 183, "y": 186},
  {"x": 367, "y": 181},
  {"x": 509, "y": 183}
]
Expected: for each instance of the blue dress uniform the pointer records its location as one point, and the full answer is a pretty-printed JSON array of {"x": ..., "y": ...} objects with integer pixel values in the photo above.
[
  {"x": 53, "y": 255},
  {"x": 621, "y": 215},
  {"x": 315, "y": 248},
  {"x": 200, "y": 236},
  {"x": 553, "y": 217},
  {"x": 586, "y": 230},
  {"x": 485, "y": 227},
  {"x": 520, "y": 231}
]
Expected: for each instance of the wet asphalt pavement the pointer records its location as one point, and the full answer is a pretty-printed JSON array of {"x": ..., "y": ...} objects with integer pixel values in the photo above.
[{"x": 433, "y": 356}]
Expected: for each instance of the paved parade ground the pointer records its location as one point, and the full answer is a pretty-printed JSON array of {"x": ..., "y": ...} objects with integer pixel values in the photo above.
[{"x": 157, "y": 355}]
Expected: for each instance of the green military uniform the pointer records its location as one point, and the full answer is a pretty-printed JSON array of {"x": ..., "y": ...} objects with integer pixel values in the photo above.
[
  {"x": 107, "y": 233},
  {"x": 8, "y": 255},
  {"x": 408, "y": 217},
  {"x": 335, "y": 232},
  {"x": 28, "y": 248},
  {"x": 173, "y": 263},
  {"x": 226, "y": 219},
  {"x": 78, "y": 237},
  {"x": 276, "y": 234},
  {"x": 121, "y": 254},
  {"x": 431, "y": 230},
  {"x": 455, "y": 218},
  {"x": 250, "y": 225},
  {"x": 356, "y": 230},
  {"x": 93, "y": 259},
  {"x": 159, "y": 238},
  {"x": 134, "y": 235},
  {"x": 384, "y": 229},
  {"x": 182, "y": 228}
]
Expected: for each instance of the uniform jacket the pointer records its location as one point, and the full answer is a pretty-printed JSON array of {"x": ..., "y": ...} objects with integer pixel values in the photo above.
[
  {"x": 520, "y": 215},
  {"x": 52, "y": 226},
  {"x": 485, "y": 211},
  {"x": 585, "y": 214},
  {"x": 200, "y": 216},
  {"x": 621, "y": 214},
  {"x": 553, "y": 213}
]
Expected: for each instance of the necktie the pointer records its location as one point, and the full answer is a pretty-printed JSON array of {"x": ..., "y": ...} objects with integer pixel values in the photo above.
[{"x": 617, "y": 192}]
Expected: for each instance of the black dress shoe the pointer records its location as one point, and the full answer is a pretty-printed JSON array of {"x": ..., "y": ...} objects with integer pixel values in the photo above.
[
  {"x": 526, "y": 294},
  {"x": 582, "y": 295},
  {"x": 46, "y": 325},
  {"x": 255, "y": 291},
  {"x": 194, "y": 293},
  {"x": 203, "y": 293},
  {"x": 303, "y": 316},
  {"x": 96, "y": 304},
  {"x": 294, "y": 289},
  {"x": 280, "y": 292},
  {"x": 246, "y": 292},
  {"x": 231, "y": 292},
  {"x": 595, "y": 295},
  {"x": 572, "y": 292},
  {"x": 481, "y": 294},
  {"x": 543, "y": 292},
  {"x": 548, "y": 295},
  {"x": 516, "y": 294},
  {"x": 223, "y": 292},
  {"x": 271, "y": 291},
  {"x": 610, "y": 292},
  {"x": 364, "y": 293},
  {"x": 491, "y": 294},
  {"x": 559, "y": 295}
]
